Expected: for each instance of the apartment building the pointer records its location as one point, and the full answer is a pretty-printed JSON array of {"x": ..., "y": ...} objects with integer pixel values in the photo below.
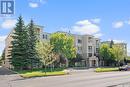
[
  {"x": 88, "y": 47},
  {"x": 46, "y": 36},
  {"x": 8, "y": 48}
]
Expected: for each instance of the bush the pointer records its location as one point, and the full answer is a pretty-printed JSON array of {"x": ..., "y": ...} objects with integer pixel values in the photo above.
[
  {"x": 106, "y": 69},
  {"x": 40, "y": 74}
]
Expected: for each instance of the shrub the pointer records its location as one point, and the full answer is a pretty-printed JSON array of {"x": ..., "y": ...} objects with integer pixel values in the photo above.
[{"x": 106, "y": 69}]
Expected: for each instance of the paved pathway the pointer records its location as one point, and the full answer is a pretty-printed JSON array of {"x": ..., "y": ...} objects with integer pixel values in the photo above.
[{"x": 4, "y": 71}]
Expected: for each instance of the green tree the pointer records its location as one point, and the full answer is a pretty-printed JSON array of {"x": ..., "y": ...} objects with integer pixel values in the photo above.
[
  {"x": 44, "y": 50},
  {"x": 111, "y": 43},
  {"x": 19, "y": 46},
  {"x": 32, "y": 39},
  {"x": 106, "y": 53},
  {"x": 2, "y": 57},
  {"x": 118, "y": 53},
  {"x": 63, "y": 44}
]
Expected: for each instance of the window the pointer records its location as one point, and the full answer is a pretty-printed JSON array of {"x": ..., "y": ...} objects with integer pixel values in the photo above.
[
  {"x": 43, "y": 36},
  {"x": 97, "y": 50},
  {"x": 89, "y": 54},
  {"x": 46, "y": 36},
  {"x": 97, "y": 43},
  {"x": 89, "y": 39},
  {"x": 89, "y": 48},
  {"x": 79, "y": 41}
]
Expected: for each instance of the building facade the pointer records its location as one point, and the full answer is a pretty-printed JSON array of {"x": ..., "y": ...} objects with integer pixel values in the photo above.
[
  {"x": 8, "y": 47},
  {"x": 86, "y": 45}
]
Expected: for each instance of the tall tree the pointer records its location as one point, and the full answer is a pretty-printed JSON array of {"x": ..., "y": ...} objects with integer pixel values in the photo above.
[
  {"x": 111, "y": 43},
  {"x": 106, "y": 53},
  {"x": 19, "y": 45},
  {"x": 118, "y": 53},
  {"x": 63, "y": 44},
  {"x": 44, "y": 50},
  {"x": 32, "y": 39}
]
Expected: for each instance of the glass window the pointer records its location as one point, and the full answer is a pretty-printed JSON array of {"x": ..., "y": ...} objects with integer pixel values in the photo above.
[
  {"x": 46, "y": 36},
  {"x": 90, "y": 48},
  {"x": 43, "y": 36},
  {"x": 79, "y": 41},
  {"x": 97, "y": 50},
  {"x": 89, "y": 54}
]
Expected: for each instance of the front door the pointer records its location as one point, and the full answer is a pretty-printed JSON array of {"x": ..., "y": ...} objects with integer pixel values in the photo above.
[{"x": 93, "y": 63}]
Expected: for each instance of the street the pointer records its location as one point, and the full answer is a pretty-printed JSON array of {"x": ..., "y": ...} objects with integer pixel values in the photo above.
[{"x": 77, "y": 78}]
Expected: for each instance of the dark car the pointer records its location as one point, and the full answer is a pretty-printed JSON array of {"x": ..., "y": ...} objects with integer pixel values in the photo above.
[{"x": 124, "y": 68}]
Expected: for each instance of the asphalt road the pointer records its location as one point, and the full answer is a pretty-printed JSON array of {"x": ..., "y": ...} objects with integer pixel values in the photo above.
[{"x": 77, "y": 78}]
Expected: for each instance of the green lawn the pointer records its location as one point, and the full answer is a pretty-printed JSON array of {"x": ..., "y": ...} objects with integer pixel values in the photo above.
[
  {"x": 106, "y": 69},
  {"x": 41, "y": 72}
]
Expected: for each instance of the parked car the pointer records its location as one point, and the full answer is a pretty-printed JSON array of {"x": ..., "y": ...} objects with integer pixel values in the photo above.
[{"x": 124, "y": 68}]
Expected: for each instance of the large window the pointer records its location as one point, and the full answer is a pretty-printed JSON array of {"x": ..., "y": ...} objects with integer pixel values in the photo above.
[
  {"x": 89, "y": 54},
  {"x": 44, "y": 36},
  {"x": 97, "y": 50},
  {"x": 79, "y": 41},
  {"x": 89, "y": 39},
  {"x": 97, "y": 43},
  {"x": 89, "y": 48}
]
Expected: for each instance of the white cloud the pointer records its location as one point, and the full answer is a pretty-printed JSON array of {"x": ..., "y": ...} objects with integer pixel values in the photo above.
[
  {"x": 36, "y": 3},
  {"x": 33, "y": 5},
  {"x": 98, "y": 35},
  {"x": 96, "y": 20},
  {"x": 85, "y": 27},
  {"x": 118, "y": 24},
  {"x": 2, "y": 43},
  {"x": 8, "y": 23}
]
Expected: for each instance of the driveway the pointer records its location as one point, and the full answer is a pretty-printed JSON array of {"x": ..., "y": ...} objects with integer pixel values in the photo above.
[
  {"x": 7, "y": 76},
  {"x": 4, "y": 71}
]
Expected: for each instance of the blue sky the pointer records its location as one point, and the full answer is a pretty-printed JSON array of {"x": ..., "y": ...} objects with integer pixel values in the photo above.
[{"x": 106, "y": 19}]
